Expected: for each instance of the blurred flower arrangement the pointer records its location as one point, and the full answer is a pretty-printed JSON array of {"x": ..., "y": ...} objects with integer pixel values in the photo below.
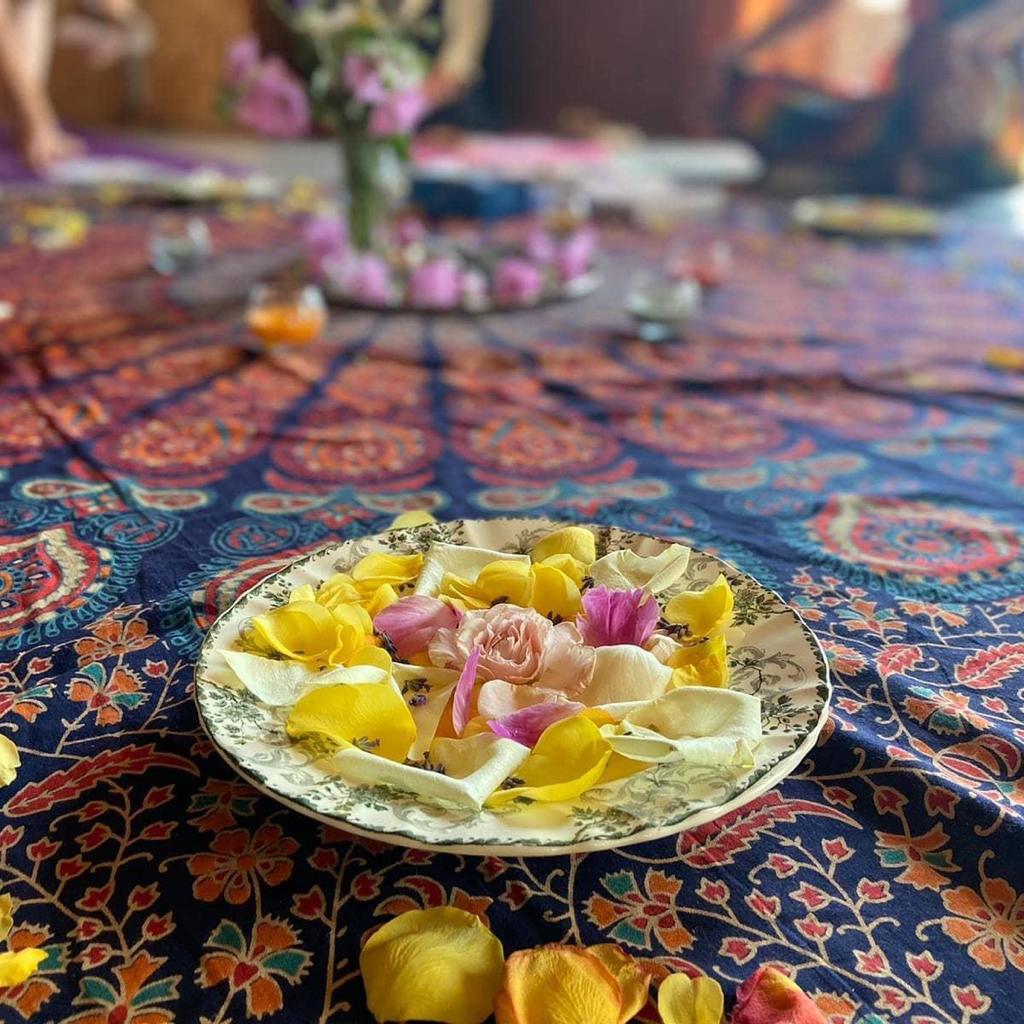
[{"x": 364, "y": 68}]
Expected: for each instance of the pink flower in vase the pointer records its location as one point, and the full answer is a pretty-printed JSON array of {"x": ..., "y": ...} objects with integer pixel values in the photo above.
[
  {"x": 362, "y": 78},
  {"x": 538, "y": 245},
  {"x": 398, "y": 114},
  {"x": 243, "y": 60},
  {"x": 437, "y": 284},
  {"x": 576, "y": 254},
  {"x": 326, "y": 239},
  {"x": 275, "y": 102},
  {"x": 517, "y": 282},
  {"x": 365, "y": 278}
]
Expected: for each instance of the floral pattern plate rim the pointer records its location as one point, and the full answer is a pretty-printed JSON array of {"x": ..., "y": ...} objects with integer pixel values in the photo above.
[{"x": 778, "y": 658}]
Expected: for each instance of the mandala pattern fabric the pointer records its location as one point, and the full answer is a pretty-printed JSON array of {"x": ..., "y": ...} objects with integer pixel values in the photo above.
[{"x": 830, "y": 426}]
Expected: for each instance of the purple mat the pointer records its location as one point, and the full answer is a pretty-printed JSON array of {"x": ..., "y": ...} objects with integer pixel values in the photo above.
[{"x": 14, "y": 172}]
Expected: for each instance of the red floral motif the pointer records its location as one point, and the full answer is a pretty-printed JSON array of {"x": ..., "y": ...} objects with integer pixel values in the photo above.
[
  {"x": 431, "y": 894},
  {"x": 238, "y": 859},
  {"x": 132, "y": 1001}
]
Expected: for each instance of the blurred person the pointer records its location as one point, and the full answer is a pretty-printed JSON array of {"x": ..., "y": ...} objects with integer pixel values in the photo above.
[
  {"x": 945, "y": 115},
  {"x": 27, "y": 29}
]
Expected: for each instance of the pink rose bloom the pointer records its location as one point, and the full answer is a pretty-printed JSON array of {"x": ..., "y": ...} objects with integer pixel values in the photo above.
[
  {"x": 614, "y": 617},
  {"x": 398, "y": 114},
  {"x": 367, "y": 279},
  {"x": 411, "y": 622},
  {"x": 410, "y": 230},
  {"x": 242, "y": 60},
  {"x": 539, "y": 245},
  {"x": 362, "y": 78},
  {"x": 326, "y": 239},
  {"x": 517, "y": 645},
  {"x": 275, "y": 102},
  {"x": 437, "y": 284},
  {"x": 517, "y": 282},
  {"x": 576, "y": 254}
]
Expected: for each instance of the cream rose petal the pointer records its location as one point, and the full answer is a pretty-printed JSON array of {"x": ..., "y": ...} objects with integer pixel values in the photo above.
[
  {"x": 426, "y": 692},
  {"x": 626, "y": 570},
  {"x": 624, "y": 672},
  {"x": 498, "y": 698},
  {"x": 10, "y": 761},
  {"x": 282, "y": 683}
]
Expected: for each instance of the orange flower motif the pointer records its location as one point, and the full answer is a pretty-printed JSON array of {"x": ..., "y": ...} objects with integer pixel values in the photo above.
[
  {"x": 637, "y": 915},
  {"x": 29, "y": 997},
  {"x": 133, "y": 1001},
  {"x": 218, "y": 802},
  {"x": 922, "y": 858},
  {"x": 237, "y": 858},
  {"x": 111, "y": 638},
  {"x": 109, "y": 696},
  {"x": 990, "y": 923},
  {"x": 254, "y": 967}
]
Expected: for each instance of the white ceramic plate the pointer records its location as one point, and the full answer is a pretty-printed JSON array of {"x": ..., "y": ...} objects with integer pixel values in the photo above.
[{"x": 778, "y": 659}]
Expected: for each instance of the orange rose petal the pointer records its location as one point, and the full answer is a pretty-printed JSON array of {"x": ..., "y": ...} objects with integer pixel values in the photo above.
[{"x": 634, "y": 980}]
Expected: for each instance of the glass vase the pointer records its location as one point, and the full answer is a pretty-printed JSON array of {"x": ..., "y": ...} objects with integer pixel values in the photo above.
[{"x": 374, "y": 187}]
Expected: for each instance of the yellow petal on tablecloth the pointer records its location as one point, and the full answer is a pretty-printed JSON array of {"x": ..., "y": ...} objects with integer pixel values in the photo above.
[
  {"x": 624, "y": 569},
  {"x": 703, "y": 664},
  {"x": 557, "y": 985},
  {"x": 18, "y": 967},
  {"x": 634, "y": 981},
  {"x": 441, "y": 964},
  {"x": 685, "y": 1000},
  {"x": 569, "y": 758},
  {"x": 10, "y": 761},
  {"x": 554, "y": 593},
  {"x": 6, "y": 915},
  {"x": 408, "y": 520},
  {"x": 371, "y": 717},
  {"x": 705, "y": 613},
  {"x": 577, "y": 542}
]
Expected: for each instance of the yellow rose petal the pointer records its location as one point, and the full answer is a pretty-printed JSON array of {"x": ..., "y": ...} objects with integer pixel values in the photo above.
[
  {"x": 6, "y": 915},
  {"x": 375, "y": 657},
  {"x": 505, "y": 582},
  {"x": 621, "y": 767},
  {"x": 380, "y": 568},
  {"x": 685, "y": 1000},
  {"x": 17, "y": 967},
  {"x": 555, "y": 595},
  {"x": 705, "y": 664},
  {"x": 10, "y": 761},
  {"x": 353, "y": 630},
  {"x": 303, "y": 593},
  {"x": 570, "y": 540},
  {"x": 300, "y": 630},
  {"x": 572, "y": 567},
  {"x": 440, "y": 965},
  {"x": 461, "y": 594},
  {"x": 634, "y": 981},
  {"x": 370, "y": 716},
  {"x": 570, "y": 757},
  {"x": 557, "y": 985},
  {"x": 339, "y": 589},
  {"x": 382, "y": 597},
  {"x": 407, "y": 520},
  {"x": 705, "y": 612}
]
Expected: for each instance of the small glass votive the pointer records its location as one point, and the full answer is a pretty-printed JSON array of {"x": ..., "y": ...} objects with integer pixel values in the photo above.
[
  {"x": 178, "y": 245},
  {"x": 286, "y": 314},
  {"x": 661, "y": 304}
]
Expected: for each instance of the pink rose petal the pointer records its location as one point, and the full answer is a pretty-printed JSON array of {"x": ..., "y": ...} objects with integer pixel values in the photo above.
[
  {"x": 613, "y": 617},
  {"x": 464, "y": 692},
  {"x": 525, "y": 726},
  {"x": 499, "y": 699},
  {"x": 769, "y": 997},
  {"x": 412, "y": 622}
]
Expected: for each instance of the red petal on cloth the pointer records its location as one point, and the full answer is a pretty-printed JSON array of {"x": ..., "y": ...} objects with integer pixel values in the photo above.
[
  {"x": 526, "y": 726},
  {"x": 410, "y": 624},
  {"x": 464, "y": 692},
  {"x": 769, "y": 997},
  {"x": 612, "y": 617}
]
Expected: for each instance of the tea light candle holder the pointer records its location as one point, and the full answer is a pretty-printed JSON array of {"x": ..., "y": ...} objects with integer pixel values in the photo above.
[
  {"x": 178, "y": 245},
  {"x": 661, "y": 304},
  {"x": 286, "y": 314}
]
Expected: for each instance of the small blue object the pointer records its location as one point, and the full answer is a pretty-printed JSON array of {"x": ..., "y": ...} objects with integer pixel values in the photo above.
[{"x": 478, "y": 197}]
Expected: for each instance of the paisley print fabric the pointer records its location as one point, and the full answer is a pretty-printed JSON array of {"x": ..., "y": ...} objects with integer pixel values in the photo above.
[{"x": 830, "y": 426}]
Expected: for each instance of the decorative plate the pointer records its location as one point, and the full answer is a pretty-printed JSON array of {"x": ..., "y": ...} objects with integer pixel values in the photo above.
[
  {"x": 865, "y": 217},
  {"x": 778, "y": 660}
]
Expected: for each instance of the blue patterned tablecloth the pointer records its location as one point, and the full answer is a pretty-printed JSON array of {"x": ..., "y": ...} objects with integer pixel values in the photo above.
[{"x": 830, "y": 426}]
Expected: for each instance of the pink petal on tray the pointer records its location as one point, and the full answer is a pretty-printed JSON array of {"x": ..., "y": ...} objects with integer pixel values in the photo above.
[
  {"x": 613, "y": 617},
  {"x": 464, "y": 692},
  {"x": 527, "y": 725}
]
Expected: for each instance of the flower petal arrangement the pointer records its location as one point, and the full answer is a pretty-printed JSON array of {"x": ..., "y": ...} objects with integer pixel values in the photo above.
[
  {"x": 569, "y": 672},
  {"x": 510, "y": 684}
]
